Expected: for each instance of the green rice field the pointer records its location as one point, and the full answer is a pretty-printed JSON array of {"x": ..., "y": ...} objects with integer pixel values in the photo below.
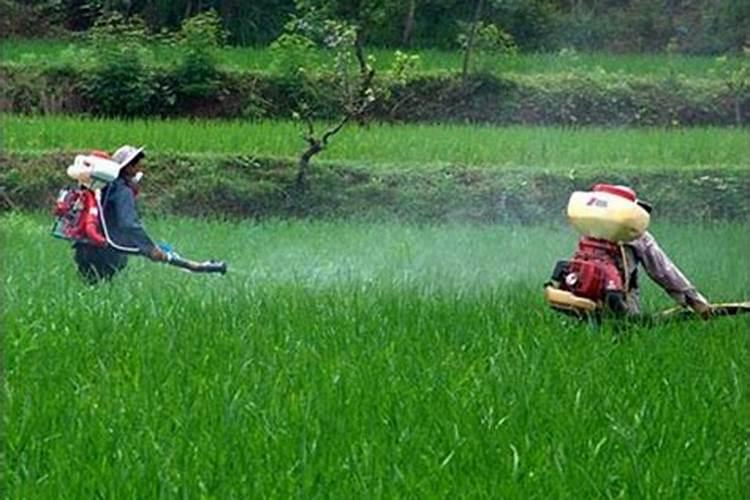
[
  {"x": 261, "y": 59},
  {"x": 584, "y": 149},
  {"x": 346, "y": 360},
  {"x": 372, "y": 359}
]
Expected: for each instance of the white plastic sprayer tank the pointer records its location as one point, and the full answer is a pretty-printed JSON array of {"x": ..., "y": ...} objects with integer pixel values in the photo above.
[
  {"x": 87, "y": 168},
  {"x": 614, "y": 216}
]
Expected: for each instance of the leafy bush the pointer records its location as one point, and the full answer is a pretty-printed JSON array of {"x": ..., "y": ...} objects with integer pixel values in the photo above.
[
  {"x": 200, "y": 36},
  {"x": 404, "y": 67},
  {"x": 122, "y": 78},
  {"x": 292, "y": 52},
  {"x": 41, "y": 18},
  {"x": 737, "y": 82},
  {"x": 490, "y": 42},
  {"x": 118, "y": 81}
]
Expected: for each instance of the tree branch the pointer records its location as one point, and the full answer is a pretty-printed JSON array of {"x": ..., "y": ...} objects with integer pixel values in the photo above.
[
  {"x": 366, "y": 73},
  {"x": 7, "y": 199},
  {"x": 353, "y": 109},
  {"x": 335, "y": 130},
  {"x": 310, "y": 136},
  {"x": 470, "y": 40}
]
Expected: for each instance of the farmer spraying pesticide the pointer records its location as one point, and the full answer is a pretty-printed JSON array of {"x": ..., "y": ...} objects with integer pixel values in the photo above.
[
  {"x": 101, "y": 219},
  {"x": 603, "y": 275}
]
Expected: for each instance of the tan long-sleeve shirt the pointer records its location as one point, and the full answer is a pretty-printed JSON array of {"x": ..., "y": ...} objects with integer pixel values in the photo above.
[{"x": 647, "y": 252}]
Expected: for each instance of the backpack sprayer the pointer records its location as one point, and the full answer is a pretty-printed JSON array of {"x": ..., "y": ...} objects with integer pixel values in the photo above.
[
  {"x": 594, "y": 277},
  {"x": 80, "y": 216}
]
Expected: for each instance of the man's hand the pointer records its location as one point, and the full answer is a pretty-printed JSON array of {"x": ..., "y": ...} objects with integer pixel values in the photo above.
[
  {"x": 702, "y": 309},
  {"x": 158, "y": 255}
]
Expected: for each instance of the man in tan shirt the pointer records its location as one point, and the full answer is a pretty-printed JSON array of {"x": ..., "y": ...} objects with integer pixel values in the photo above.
[{"x": 646, "y": 251}]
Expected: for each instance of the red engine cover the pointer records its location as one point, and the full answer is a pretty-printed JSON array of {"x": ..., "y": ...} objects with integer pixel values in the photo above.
[
  {"x": 79, "y": 217},
  {"x": 594, "y": 269},
  {"x": 592, "y": 278},
  {"x": 89, "y": 224}
]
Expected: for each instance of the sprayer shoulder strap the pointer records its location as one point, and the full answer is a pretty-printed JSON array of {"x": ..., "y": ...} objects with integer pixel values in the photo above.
[
  {"x": 629, "y": 268},
  {"x": 101, "y": 201}
]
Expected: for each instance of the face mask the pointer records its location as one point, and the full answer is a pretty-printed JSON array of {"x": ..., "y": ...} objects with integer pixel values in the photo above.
[{"x": 137, "y": 177}]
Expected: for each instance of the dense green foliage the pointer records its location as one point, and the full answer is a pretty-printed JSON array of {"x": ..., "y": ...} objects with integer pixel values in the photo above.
[
  {"x": 123, "y": 71},
  {"x": 704, "y": 26},
  {"x": 118, "y": 75},
  {"x": 36, "y": 52},
  {"x": 568, "y": 98},
  {"x": 363, "y": 360}
]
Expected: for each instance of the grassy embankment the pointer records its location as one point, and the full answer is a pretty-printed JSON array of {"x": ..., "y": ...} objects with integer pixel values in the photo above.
[{"x": 419, "y": 173}]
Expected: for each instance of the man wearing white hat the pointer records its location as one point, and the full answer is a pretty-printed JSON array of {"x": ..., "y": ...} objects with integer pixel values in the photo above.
[{"x": 120, "y": 221}]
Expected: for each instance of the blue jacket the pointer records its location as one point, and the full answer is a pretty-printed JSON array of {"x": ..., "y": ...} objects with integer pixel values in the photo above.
[{"x": 121, "y": 217}]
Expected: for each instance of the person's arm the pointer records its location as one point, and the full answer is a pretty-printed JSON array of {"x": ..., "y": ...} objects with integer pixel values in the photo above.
[
  {"x": 130, "y": 225},
  {"x": 666, "y": 274}
]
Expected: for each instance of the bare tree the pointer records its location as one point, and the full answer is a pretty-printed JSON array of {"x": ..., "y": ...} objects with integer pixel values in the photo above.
[
  {"x": 409, "y": 23},
  {"x": 357, "y": 94},
  {"x": 470, "y": 39},
  {"x": 340, "y": 27}
]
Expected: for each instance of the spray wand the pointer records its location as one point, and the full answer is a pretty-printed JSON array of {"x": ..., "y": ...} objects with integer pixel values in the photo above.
[{"x": 206, "y": 266}]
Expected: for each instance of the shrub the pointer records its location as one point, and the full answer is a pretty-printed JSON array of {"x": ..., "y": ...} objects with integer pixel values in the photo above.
[
  {"x": 196, "y": 73},
  {"x": 490, "y": 42},
  {"x": 291, "y": 53},
  {"x": 42, "y": 18},
  {"x": 118, "y": 80}
]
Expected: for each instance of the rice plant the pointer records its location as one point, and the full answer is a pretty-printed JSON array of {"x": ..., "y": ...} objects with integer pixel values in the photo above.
[
  {"x": 412, "y": 145},
  {"x": 364, "y": 360}
]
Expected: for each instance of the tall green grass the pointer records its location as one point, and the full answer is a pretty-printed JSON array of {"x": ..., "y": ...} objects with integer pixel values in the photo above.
[
  {"x": 410, "y": 145},
  {"x": 261, "y": 59},
  {"x": 342, "y": 360}
]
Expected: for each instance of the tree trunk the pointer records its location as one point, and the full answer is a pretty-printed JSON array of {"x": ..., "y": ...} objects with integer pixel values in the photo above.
[
  {"x": 470, "y": 40},
  {"x": 303, "y": 167},
  {"x": 366, "y": 74},
  {"x": 409, "y": 24},
  {"x": 737, "y": 110},
  {"x": 670, "y": 16},
  {"x": 315, "y": 146}
]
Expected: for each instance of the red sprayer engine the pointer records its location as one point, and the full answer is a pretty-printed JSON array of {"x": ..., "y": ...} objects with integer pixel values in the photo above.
[
  {"x": 607, "y": 216},
  {"x": 594, "y": 270},
  {"x": 77, "y": 210},
  {"x": 78, "y": 217}
]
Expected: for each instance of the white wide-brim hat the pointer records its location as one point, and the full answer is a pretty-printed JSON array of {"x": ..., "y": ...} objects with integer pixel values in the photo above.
[{"x": 126, "y": 155}]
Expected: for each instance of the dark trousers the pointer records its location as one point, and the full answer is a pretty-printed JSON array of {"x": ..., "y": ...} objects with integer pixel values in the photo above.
[{"x": 96, "y": 263}]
